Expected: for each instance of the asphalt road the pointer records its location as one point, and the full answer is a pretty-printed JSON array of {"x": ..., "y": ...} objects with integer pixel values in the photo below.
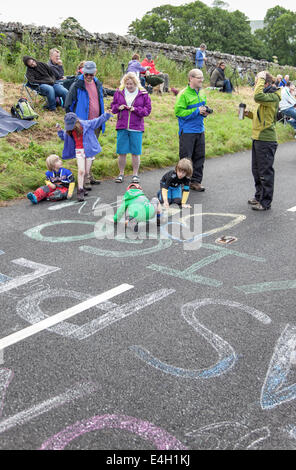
[{"x": 196, "y": 354}]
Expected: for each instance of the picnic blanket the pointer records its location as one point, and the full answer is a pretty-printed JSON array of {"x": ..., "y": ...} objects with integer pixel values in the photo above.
[{"x": 10, "y": 124}]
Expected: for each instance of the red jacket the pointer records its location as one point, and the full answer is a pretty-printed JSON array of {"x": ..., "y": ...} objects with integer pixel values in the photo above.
[{"x": 150, "y": 64}]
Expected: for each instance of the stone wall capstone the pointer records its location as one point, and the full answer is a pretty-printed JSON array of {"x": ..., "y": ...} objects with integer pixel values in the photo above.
[{"x": 111, "y": 42}]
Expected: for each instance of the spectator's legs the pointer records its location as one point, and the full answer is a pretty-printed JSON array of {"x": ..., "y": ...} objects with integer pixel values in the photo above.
[
  {"x": 227, "y": 86},
  {"x": 87, "y": 176},
  {"x": 291, "y": 112},
  {"x": 264, "y": 173},
  {"x": 60, "y": 91},
  {"x": 48, "y": 91},
  {"x": 136, "y": 164},
  {"x": 121, "y": 163},
  {"x": 81, "y": 164},
  {"x": 193, "y": 146}
]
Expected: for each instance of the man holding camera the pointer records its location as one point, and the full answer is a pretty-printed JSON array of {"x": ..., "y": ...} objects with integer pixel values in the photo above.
[{"x": 191, "y": 109}]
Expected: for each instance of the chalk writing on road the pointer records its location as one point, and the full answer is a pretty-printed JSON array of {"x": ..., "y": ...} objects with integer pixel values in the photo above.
[
  {"x": 189, "y": 273},
  {"x": 39, "y": 270},
  {"x": 148, "y": 431},
  {"x": 29, "y": 309},
  {"x": 226, "y": 354}
]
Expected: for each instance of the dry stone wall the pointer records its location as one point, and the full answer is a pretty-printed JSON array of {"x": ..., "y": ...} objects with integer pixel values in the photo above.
[{"x": 111, "y": 42}]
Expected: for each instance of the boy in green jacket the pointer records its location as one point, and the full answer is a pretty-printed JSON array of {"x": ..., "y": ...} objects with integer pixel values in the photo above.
[
  {"x": 264, "y": 146},
  {"x": 137, "y": 207}
]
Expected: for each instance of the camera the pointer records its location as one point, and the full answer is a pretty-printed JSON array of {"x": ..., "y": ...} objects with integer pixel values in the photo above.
[{"x": 209, "y": 110}]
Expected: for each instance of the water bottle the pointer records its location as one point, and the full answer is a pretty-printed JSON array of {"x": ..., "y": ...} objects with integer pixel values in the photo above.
[{"x": 241, "y": 110}]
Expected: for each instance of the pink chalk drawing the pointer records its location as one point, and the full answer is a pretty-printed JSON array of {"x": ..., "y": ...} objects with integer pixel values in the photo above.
[
  {"x": 157, "y": 436},
  {"x": 6, "y": 376}
]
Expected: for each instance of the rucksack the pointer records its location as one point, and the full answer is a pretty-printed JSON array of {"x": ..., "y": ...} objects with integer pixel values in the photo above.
[{"x": 23, "y": 110}]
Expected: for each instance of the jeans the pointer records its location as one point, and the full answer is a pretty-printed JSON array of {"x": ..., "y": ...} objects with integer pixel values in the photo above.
[
  {"x": 291, "y": 112},
  {"x": 227, "y": 88},
  {"x": 51, "y": 92}
]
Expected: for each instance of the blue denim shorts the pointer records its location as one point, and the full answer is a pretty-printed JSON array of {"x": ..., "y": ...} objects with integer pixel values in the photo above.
[{"x": 129, "y": 142}]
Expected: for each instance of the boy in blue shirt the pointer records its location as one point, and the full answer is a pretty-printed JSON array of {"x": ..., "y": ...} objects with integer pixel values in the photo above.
[{"x": 59, "y": 182}]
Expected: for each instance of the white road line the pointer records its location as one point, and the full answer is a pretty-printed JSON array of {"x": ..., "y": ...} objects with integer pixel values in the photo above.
[
  {"x": 293, "y": 209},
  {"x": 61, "y": 316}
]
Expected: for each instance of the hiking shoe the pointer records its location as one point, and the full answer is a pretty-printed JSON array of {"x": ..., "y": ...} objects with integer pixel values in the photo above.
[
  {"x": 197, "y": 187},
  {"x": 80, "y": 195},
  {"x": 94, "y": 181},
  {"x": 253, "y": 201},
  {"x": 87, "y": 187},
  {"x": 119, "y": 179},
  {"x": 32, "y": 198},
  {"x": 259, "y": 207}
]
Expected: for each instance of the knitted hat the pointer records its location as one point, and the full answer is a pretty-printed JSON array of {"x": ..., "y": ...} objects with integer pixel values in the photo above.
[{"x": 70, "y": 119}]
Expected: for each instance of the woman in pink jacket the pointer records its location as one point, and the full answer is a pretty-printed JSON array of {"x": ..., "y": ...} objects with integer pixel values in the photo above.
[{"x": 131, "y": 103}]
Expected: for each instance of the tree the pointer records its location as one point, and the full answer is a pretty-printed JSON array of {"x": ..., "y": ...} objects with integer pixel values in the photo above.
[
  {"x": 72, "y": 24},
  {"x": 279, "y": 34},
  {"x": 194, "y": 23},
  {"x": 151, "y": 27}
]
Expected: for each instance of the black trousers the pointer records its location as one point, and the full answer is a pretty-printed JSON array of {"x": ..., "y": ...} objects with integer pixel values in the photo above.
[
  {"x": 193, "y": 146},
  {"x": 262, "y": 168}
]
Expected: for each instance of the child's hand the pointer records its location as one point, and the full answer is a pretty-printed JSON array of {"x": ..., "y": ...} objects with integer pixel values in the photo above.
[
  {"x": 186, "y": 206},
  {"x": 121, "y": 107},
  {"x": 166, "y": 205}
]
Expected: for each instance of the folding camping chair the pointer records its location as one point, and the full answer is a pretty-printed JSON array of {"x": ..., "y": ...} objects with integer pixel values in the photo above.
[{"x": 31, "y": 91}]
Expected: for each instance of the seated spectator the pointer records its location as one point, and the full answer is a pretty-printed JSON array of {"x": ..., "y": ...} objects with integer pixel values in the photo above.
[
  {"x": 41, "y": 75},
  {"x": 287, "y": 104},
  {"x": 135, "y": 66},
  {"x": 56, "y": 64},
  {"x": 79, "y": 69},
  {"x": 284, "y": 81},
  {"x": 148, "y": 62},
  {"x": 278, "y": 80},
  {"x": 218, "y": 79},
  {"x": 200, "y": 56}
]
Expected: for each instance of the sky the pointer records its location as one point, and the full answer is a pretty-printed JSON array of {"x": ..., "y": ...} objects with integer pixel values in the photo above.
[{"x": 100, "y": 16}]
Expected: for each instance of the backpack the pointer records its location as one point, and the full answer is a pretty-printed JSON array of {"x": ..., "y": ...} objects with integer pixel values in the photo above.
[{"x": 23, "y": 110}]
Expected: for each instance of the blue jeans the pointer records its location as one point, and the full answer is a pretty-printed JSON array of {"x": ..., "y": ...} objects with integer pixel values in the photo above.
[
  {"x": 291, "y": 112},
  {"x": 227, "y": 88},
  {"x": 51, "y": 92}
]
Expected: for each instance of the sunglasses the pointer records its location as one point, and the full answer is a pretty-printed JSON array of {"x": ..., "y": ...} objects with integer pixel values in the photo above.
[{"x": 89, "y": 74}]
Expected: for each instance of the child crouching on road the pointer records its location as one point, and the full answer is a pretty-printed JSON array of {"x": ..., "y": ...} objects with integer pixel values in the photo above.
[
  {"x": 80, "y": 142},
  {"x": 59, "y": 182},
  {"x": 137, "y": 207},
  {"x": 171, "y": 185}
]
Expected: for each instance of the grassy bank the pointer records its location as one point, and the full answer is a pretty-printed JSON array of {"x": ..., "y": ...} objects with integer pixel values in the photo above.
[{"x": 22, "y": 155}]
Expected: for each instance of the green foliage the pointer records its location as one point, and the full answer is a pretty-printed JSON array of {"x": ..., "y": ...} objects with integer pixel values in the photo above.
[
  {"x": 279, "y": 35},
  {"x": 194, "y": 23}
]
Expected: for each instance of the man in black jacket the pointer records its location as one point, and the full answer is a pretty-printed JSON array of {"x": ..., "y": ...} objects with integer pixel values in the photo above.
[{"x": 43, "y": 78}]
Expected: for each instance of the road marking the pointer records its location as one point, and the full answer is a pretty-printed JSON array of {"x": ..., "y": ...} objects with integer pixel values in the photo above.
[
  {"x": 293, "y": 209},
  {"x": 61, "y": 316},
  {"x": 70, "y": 395}
]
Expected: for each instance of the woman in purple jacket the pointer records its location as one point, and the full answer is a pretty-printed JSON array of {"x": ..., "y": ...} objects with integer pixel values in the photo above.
[{"x": 131, "y": 103}]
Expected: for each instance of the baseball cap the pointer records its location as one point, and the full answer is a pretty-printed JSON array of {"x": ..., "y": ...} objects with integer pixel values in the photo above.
[
  {"x": 89, "y": 67},
  {"x": 70, "y": 119}
]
